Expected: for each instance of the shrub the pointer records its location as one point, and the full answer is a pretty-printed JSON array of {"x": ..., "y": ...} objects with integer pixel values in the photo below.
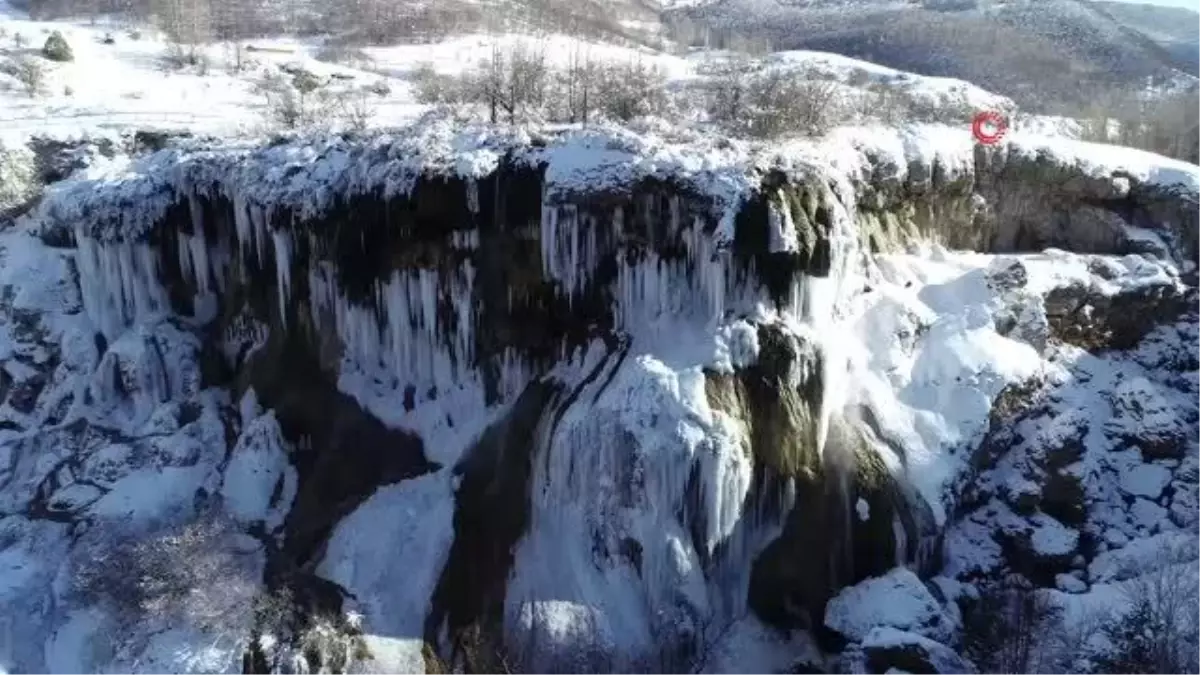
[
  {"x": 30, "y": 72},
  {"x": 354, "y": 108},
  {"x": 380, "y": 88},
  {"x": 18, "y": 178},
  {"x": 1011, "y": 628},
  {"x": 184, "y": 573},
  {"x": 624, "y": 92},
  {"x": 297, "y": 101},
  {"x": 57, "y": 49},
  {"x": 1159, "y": 631}
]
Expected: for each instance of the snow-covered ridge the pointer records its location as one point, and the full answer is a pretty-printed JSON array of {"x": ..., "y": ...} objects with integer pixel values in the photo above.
[{"x": 125, "y": 197}]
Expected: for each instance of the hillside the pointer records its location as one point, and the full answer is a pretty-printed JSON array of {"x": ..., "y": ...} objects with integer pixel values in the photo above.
[
  {"x": 1042, "y": 52},
  {"x": 1175, "y": 29},
  {"x": 123, "y": 78}
]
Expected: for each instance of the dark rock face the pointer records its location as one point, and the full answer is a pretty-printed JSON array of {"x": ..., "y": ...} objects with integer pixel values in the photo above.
[
  {"x": 265, "y": 267},
  {"x": 1081, "y": 316},
  {"x": 491, "y": 514},
  {"x": 779, "y": 398}
]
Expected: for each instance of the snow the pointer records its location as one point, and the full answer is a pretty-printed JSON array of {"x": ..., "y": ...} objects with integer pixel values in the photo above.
[
  {"x": 1099, "y": 159},
  {"x": 932, "y": 392},
  {"x": 1147, "y": 480},
  {"x": 389, "y": 554},
  {"x": 259, "y": 482},
  {"x": 862, "y": 509},
  {"x": 750, "y": 646},
  {"x": 897, "y": 599},
  {"x": 1052, "y": 538}
]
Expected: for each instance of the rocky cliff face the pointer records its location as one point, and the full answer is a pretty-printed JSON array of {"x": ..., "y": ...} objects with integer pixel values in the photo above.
[{"x": 593, "y": 400}]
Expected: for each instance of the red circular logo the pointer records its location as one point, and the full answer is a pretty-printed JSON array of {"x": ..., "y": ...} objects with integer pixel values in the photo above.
[{"x": 989, "y": 127}]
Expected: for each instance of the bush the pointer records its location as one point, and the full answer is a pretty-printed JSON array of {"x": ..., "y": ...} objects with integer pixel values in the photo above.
[
  {"x": 380, "y": 88},
  {"x": 624, "y": 92},
  {"x": 1012, "y": 628},
  {"x": 297, "y": 101},
  {"x": 178, "y": 56},
  {"x": 185, "y": 573},
  {"x": 1159, "y": 631},
  {"x": 18, "y": 178},
  {"x": 746, "y": 99},
  {"x": 57, "y": 49},
  {"x": 354, "y": 108},
  {"x": 30, "y": 72}
]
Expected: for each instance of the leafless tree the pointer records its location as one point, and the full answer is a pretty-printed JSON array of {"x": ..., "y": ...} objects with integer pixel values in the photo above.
[
  {"x": 187, "y": 23},
  {"x": 1011, "y": 628},
  {"x": 728, "y": 89},
  {"x": 510, "y": 85},
  {"x": 354, "y": 108},
  {"x": 577, "y": 85},
  {"x": 630, "y": 90},
  {"x": 190, "y": 572},
  {"x": 29, "y": 71},
  {"x": 784, "y": 102},
  {"x": 1159, "y": 631}
]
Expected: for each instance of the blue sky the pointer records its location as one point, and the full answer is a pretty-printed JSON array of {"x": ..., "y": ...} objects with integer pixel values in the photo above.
[{"x": 1188, "y": 4}]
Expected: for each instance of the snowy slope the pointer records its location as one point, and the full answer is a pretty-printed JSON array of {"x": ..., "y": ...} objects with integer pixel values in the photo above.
[{"x": 126, "y": 85}]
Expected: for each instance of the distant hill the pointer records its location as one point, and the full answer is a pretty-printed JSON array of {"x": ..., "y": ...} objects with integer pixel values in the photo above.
[
  {"x": 1176, "y": 29},
  {"x": 1043, "y": 53}
]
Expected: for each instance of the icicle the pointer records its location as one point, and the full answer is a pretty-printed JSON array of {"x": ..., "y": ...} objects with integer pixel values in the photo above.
[
  {"x": 242, "y": 224},
  {"x": 198, "y": 254},
  {"x": 283, "y": 269},
  {"x": 473, "y": 195},
  {"x": 549, "y": 239},
  {"x": 258, "y": 221},
  {"x": 901, "y": 538},
  {"x": 119, "y": 283},
  {"x": 184, "y": 253}
]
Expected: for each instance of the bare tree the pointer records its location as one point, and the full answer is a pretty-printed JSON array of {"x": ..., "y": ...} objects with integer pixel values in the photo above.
[
  {"x": 631, "y": 90},
  {"x": 29, "y": 71},
  {"x": 354, "y": 108},
  {"x": 784, "y": 102},
  {"x": 511, "y": 85},
  {"x": 729, "y": 91},
  {"x": 1159, "y": 631},
  {"x": 187, "y": 23},
  {"x": 190, "y": 572},
  {"x": 1011, "y": 628},
  {"x": 577, "y": 87}
]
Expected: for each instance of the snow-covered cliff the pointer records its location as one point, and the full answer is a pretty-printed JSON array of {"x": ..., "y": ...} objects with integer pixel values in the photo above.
[{"x": 576, "y": 400}]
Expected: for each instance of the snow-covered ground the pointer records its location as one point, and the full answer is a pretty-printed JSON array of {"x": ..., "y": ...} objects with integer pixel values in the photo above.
[{"x": 127, "y": 85}]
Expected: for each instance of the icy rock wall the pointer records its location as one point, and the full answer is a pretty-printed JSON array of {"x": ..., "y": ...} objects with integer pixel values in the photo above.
[
  {"x": 1013, "y": 198},
  {"x": 466, "y": 289},
  {"x": 481, "y": 286},
  {"x": 463, "y": 283}
]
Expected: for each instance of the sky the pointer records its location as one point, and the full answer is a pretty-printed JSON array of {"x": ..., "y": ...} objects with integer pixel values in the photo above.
[{"x": 1193, "y": 5}]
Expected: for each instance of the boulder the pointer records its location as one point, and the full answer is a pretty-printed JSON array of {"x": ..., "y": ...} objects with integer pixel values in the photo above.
[{"x": 888, "y": 648}]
